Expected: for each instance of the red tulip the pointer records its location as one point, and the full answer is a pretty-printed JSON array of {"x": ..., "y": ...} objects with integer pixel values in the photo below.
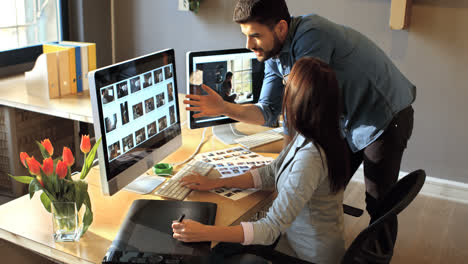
[
  {"x": 48, "y": 146},
  {"x": 61, "y": 170},
  {"x": 48, "y": 166},
  {"x": 85, "y": 144},
  {"x": 23, "y": 157},
  {"x": 67, "y": 156},
  {"x": 34, "y": 166}
]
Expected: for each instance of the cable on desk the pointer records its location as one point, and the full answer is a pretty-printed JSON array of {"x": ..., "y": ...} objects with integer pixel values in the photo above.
[
  {"x": 234, "y": 131},
  {"x": 194, "y": 153},
  {"x": 183, "y": 123}
]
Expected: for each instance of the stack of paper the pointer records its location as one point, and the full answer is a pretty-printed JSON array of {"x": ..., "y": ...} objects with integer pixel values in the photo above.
[
  {"x": 66, "y": 62},
  {"x": 233, "y": 162}
]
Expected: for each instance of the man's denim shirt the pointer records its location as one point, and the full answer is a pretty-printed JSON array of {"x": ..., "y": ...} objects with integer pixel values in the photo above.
[{"x": 373, "y": 89}]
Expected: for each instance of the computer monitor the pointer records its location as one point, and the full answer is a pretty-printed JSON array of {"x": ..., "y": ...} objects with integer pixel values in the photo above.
[
  {"x": 235, "y": 74},
  {"x": 136, "y": 112}
]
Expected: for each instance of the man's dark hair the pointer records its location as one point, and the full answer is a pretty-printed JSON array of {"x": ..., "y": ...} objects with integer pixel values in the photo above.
[{"x": 266, "y": 12}]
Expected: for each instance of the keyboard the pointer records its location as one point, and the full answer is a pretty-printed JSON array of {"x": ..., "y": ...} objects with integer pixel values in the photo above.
[
  {"x": 173, "y": 189},
  {"x": 117, "y": 256},
  {"x": 262, "y": 138}
]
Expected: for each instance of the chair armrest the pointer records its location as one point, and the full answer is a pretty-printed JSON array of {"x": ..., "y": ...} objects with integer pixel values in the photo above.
[{"x": 353, "y": 211}]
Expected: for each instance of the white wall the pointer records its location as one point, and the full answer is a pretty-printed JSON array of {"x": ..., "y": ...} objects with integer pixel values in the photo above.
[{"x": 432, "y": 53}]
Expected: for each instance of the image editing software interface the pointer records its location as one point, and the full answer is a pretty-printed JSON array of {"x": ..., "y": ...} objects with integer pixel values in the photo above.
[
  {"x": 235, "y": 74},
  {"x": 135, "y": 109}
]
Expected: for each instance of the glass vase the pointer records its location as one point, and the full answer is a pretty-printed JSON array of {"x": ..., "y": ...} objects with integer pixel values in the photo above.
[{"x": 65, "y": 221}]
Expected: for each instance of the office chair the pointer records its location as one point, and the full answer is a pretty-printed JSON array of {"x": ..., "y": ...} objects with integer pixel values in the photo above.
[
  {"x": 351, "y": 210},
  {"x": 375, "y": 243}
]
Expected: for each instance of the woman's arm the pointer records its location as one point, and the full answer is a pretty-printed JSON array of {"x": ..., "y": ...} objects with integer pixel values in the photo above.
[
  {"x": 290, "y": 201},
  {"x": 203, "y": 183},
  {"x": 192, "y": 231},
  {"x": 303, "y": 176},
  {"x": 297, "y": 185}
]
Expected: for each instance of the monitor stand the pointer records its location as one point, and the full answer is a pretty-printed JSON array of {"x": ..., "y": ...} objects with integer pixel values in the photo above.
[
  {"x": 144, "y": 184},
  {"x": 227, "y": 133}
]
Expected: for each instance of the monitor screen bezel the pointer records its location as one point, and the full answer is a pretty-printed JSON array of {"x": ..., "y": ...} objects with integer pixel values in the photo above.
[
  {"x": 190, "y": 56},
  {"x": 113, "y": 182}
]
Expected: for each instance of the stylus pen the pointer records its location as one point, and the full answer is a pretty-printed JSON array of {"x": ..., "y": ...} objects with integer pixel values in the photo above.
[{"x": 181, "y": 218}]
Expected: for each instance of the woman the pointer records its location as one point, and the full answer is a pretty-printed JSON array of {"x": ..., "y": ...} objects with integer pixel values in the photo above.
[{"x": 309, "y": 175}]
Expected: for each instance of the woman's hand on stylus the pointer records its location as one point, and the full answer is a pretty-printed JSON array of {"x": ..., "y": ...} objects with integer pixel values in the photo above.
[
  {"x": 211, "y": 104},
  {"x": 189, "y": 231},
  {"x": 197, "y": 182}
]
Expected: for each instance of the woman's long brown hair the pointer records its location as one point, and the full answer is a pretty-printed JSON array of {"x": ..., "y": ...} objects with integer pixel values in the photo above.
[{"x": 312, "y": 106}]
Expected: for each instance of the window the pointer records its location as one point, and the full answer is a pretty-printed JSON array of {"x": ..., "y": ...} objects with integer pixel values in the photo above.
[
  {"x": 28, "y": 22},
  {"x": 242, "y": 75}
]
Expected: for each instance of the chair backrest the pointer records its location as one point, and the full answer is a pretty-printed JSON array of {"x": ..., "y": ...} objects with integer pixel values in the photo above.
[{"x": 375, "y": 243}]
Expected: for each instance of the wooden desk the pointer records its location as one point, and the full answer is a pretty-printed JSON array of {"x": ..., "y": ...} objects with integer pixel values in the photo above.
[{"x": 25, "y": 222}]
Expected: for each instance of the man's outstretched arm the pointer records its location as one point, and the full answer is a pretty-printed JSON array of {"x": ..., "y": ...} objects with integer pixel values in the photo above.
[{"x": 214, "y": 105}]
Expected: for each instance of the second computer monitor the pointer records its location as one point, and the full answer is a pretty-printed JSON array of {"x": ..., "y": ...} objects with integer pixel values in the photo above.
[{"x": 235, "y": 74}]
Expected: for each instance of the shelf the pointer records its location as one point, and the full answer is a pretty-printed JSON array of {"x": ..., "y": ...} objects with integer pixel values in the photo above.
[
  {"x": 13, "y": 93},
  {"x": 400, "y": 14}
]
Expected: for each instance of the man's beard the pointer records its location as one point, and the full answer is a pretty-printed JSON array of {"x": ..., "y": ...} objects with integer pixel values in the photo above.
[{"x": 273, "y": 52}]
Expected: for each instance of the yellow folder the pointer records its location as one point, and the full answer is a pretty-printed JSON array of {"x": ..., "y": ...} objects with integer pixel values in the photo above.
[
  {"x": 91, "y": 58},
  {"x": 67, "y": 67},
  {"x": 91, "y": 52},
  {"x": 52, "y": 74}
]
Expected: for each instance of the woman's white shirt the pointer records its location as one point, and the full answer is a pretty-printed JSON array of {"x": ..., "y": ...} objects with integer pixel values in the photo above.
[{"x": 304, "y": 208}]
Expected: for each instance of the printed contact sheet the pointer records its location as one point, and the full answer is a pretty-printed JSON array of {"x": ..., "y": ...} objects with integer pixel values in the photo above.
[{"x": 233, "y": 162}]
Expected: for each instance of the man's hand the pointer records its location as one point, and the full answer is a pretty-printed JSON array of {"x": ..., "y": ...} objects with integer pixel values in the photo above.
[
  {"x": 197, "y": 182},
  {"x": 189, "y": 231},
  {"x": 213, "y": 104},
  {"x": 207, "y": 105}
]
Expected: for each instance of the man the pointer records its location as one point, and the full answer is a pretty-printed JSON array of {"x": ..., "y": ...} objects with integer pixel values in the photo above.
[
  {"x": 226, "y": 88},
  {"x": 377, "y": 120}
]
